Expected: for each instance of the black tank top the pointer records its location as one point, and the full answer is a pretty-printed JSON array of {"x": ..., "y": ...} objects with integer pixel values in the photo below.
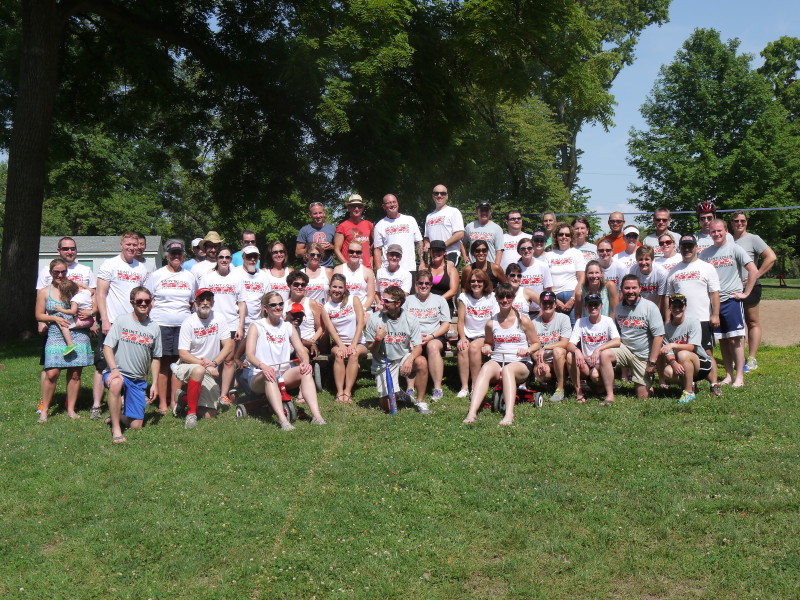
[
  {"x": 489, "y": 271},
  {"x": 441, "y": 288}
]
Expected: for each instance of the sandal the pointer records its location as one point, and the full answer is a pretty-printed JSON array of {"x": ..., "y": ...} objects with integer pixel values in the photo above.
[
  {"x": 581, "y": 400},
  {"x": 94, "y": 413},
  {"x": 42, "y": 419},
  {"x": 163, "y": 411},
  {"x": 73, "y": 415},
  {"x": 346, "y": 399},
  {"x": 118, "y": 439}
]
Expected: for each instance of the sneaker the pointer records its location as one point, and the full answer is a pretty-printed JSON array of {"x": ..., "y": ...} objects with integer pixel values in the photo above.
[
  {"x": 462, "y": 394},
  {"x": 716, "y": 389},
  {"x": 318, "y": 421},
  {"x": 686, "y": 397},
  {"x": 436, "y": 395},
  {"x": 94, "y": 413},
  {"x": 750, "y": 365},
  {"x": 411, "y": 393},
  {"x": 191, "y": 421},
  {"x": 557, "y": 396},
  {"x": 422, "y": 408},
  {"x": 402, "y": 396},
  {"x": 69, "y": 350},
  {"x": 180, "y": 404},
  {"x": 225, "y": 401}
]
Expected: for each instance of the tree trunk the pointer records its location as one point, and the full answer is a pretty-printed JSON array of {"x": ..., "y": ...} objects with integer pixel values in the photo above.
[{"x": 42, "y": 29}]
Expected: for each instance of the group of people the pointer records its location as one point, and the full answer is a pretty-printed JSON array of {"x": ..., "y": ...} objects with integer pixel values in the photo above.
[{"x": 548, "y": 305}]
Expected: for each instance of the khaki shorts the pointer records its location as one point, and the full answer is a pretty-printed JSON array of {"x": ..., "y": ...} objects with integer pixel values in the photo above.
[
  {"x": 209, "y": 394},
  {"x": 378, "y": 370},
  {"x": 626, "y": 358}
]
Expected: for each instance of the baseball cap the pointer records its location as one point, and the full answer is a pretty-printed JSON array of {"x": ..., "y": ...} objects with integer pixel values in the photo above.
[
  {"x": 539, "y": 235},
  {"x": 174, "y": 245},
  {"x": 438, "y": 244},
  {"x": 203, "y": 292},
  {"x": 594, "y": 299},
  {"x": 547, "y": 297},
  {"x": 250, "y": 250},
  {"x": 297, "y": 309},
  {"x": 677, "y": 299},
  {"x": 484, "y": 204},
  {"x": 397, "y": 248},
  {"x": 688, "y": 240},
  {"x": 630, "y": 229},
  {"x": 196, "y": 242}
]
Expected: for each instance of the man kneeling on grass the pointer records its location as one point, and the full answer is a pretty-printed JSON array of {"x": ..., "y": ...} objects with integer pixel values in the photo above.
[
  {"x": 131, "y": 346},
  {"x": 682, "y": 355},
  {"x": 203, "y": 344},
  {"x": 642, "y": 332},
  {"x": 395, "y": 333}
]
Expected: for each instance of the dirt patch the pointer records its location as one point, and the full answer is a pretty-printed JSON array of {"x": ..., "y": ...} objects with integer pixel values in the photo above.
[{"x": 780, "y": 322}]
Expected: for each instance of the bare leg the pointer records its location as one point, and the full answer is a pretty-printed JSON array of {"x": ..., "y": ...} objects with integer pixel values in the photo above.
[
  {"x": 98, "y": 389},
  {"x": 607, "y": 360},
  {"x": 727, "y": 360},
  {"x": 340, "y": 374},
  {"x": 421, "y": 380},
  {"x": 49, "y": 382},
  {"x": 435, "y": 363},
  {"x": 67, "y": 335},
  {"x": 475, "y": 358},
  {"x": 165, "y": 381},
  {"x": 489, "y": 373},
  {"x": 227, "y": 376},
  {"x": 463, "y": 368},
  {"x": 307, "y": 387},
  {"x": 114, "y": 406},
  {"x": 512, "y": 374},
  {"x": 73, "y": 388},
  {"x": 751, "y": 317},
  {"x": 351, "y": 374},
  {"x": 559, "y": 360},
  {"x": 737, "y": 351}
]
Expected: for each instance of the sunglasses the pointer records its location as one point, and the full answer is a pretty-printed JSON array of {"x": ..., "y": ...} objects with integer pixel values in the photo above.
[
  {"x": 299, "y": 284},
  {"x": 143, "y": 302},
  {"x": 394, "y": 255},
  {"x": 734, "y": 221},
  {"x": 59, "y": 272},
  {"x": 606, "y": 251},
  {"x": 514, "y": 219},
  {"x": 660, "y": 220},
  {"x": 423, "y": 283},
  {"x": 564, "y": 235},
  {"x": 514, "y": 276},
  {"x": 476, "y": 281},
  {"x": 440, "y": 193},
  {"x": 615, "y": 221},
  {"x": 506, "y": 298},
  {"x": 385, "y": 301},
  {"x": 314, "y": 255},
  {"x": 279, "y": 251},
  {"x": 356, "y": 252},
  {"x": 275, "y": 304},
  {"x": 667, "y": 242},
  {"x": 226, "y": 257},
  {"x": 72, "y": 249},
  {"x": 706, "y": 218},
  {"x": 480, "y": 251},
  {"x": 526, "y": 249}
]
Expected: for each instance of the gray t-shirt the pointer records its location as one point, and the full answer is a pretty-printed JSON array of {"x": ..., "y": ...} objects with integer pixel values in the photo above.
[
  {"x": 135, "y": 344},
  {"x": 430, "y": 313},
  {"x": 309, "y": 234},
  {"x": 490, "y": 233},
  {"x": 402, "y": 334},
  {"x": 688, "y": 332},
  {"x": 638, "y": 325},
  {"x": 552, "y": 332},
  {"x": 728, "y": 260},
  {"x": 753, "y": 245}
]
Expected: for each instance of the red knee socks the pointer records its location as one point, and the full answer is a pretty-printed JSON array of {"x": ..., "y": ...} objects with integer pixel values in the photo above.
[{"x": 193, "y": 395}]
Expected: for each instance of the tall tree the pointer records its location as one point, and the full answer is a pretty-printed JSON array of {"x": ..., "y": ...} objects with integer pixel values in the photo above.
[{"x": 716, "y": 132}]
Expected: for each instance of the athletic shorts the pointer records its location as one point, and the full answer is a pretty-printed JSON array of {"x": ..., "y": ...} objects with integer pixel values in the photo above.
[
  {"x": 444, "y": 341},
  {"x": 705, "y": 369},
  {"x": 99, "y": 358},
  {"x": 626, "y": 358},
  {"x": 134, "y": 392},
  {"x": 706, "y": 336},
  {"x": 731, "y": 319},
  {"x": 169, "y": 340},
  {"x": 209, "y": 393},
  {"x": 755, "y": 296}
]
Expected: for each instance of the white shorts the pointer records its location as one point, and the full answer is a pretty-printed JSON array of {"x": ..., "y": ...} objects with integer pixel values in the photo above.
[
  {"x": 209, "y": 394},
  {"x": 378, "y": 369}
]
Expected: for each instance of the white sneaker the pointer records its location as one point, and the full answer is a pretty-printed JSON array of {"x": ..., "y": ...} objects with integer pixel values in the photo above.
[
  {"x": 422, "y": 408},
  {"x": 462, "y": 394},
  {"x": 436, "y": 395},
  {"x": 191, "y": 421}
]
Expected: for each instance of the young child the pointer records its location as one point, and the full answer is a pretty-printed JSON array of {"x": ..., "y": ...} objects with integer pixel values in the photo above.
[{"x": 81, "y": 298}]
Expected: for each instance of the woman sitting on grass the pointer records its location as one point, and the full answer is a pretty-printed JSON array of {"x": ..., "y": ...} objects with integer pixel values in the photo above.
[
  {"x": 510, "y": 339},
  {"x": 269, "y": 344}
]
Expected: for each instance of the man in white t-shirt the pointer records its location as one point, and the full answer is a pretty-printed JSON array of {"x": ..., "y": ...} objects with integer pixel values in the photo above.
[
  {"x": 508, "y": 253},
  {"x": 661, "y": 222},
  {"x": 393, "y": 274},
  {"x": 68, "y": 250},
  {"x": 699, "y": 283},
  {"x": 116, "y": 278},
  {"x": 445, "y": 223},
  {"x": 204, "y": 344},
  {"x": 396, "y": 228},
  {"x": 484, "y": 229}
]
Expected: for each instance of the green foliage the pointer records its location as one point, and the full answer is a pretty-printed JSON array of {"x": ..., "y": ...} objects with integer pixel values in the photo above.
[{"x": 715, "y": 131}]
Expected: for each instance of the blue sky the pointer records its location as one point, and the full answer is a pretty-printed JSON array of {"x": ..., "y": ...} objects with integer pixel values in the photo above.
[{"x": 756, "y": 23}]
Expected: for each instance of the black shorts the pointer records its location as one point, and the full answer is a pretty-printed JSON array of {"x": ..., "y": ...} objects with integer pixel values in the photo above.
[
  {"x": 99, "y": 358},
  {"x": 169, "y": 340},
  {"x": 707, "y": 336},
  {"x": 445, "y": 343},
  {"x": 705, "y": 369},
  {"x": 755, "y": 296}
]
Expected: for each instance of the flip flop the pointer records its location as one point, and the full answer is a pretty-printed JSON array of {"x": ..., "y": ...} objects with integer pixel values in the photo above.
[
  {"x": 118, "y": 439},
  {"x": 73, "y": 415},
  {"x": 581, "y": 400},
  {"x": 42, "y": 420}
]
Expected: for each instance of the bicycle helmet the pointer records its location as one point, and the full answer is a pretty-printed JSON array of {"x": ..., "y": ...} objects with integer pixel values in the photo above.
[{"x": 706, "y": 206}]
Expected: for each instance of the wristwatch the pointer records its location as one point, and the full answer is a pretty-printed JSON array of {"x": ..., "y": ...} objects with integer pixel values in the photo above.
[{"x": 651, "y": 363}]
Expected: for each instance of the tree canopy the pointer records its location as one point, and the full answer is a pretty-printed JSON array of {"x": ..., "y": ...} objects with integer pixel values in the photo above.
[
  {"x": 718, "y": 131},
  {"x": 175, "y": 116}
]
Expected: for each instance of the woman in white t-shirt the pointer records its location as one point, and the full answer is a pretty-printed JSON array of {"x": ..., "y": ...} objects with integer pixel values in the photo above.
[
  {"x": 669, "y": 253},
  {"x": 269, "y": 345},
  {"x": 343, "y": 318},
  {"x": 276, "y": 269},
  {"x": 474, "y": 310},
  {"x": 510, "y": 338},
  {"x": 173, "y": 289},
  {"x": 567, "y": 269},
  {"x": 318, "y": 276}
]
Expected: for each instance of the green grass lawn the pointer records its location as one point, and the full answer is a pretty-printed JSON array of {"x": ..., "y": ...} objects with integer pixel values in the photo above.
[
  {"x": 772, "y": 291},
  {"x": 645, "y": 499}
]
